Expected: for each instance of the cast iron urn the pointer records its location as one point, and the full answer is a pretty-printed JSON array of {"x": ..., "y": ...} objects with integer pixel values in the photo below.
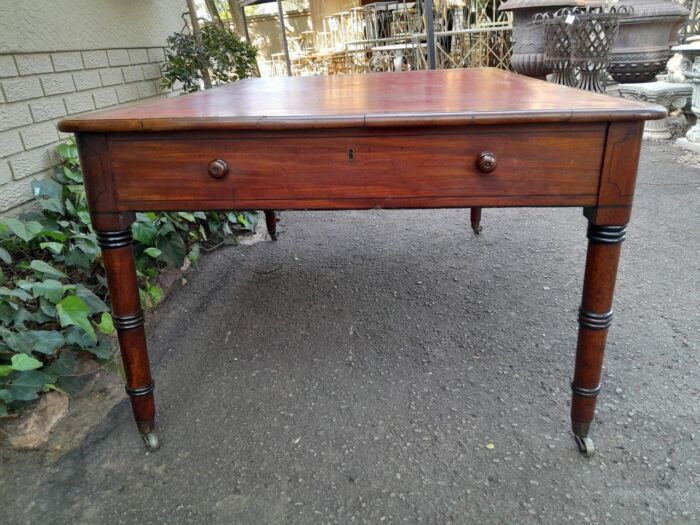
[
  {"x": 644, "y": 40},
  {"x": 528, "y": 37}
]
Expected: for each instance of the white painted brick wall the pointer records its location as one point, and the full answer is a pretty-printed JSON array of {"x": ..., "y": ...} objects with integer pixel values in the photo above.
[
  {"x": 32, "y": 162},
  {"x": 7, "y": 66},
  {"x": 151, "y": 71},
  {"x": 38, "y": 89},
  {"x": 47, "y": 109},
  {"x": 127, "y": 93},
  {"x": 5, "y": 173},
  {"x": 133, "y": 73},
  {"x": 34, "y": 64},
  {"x": 87, "y": 80},
  {"x": 94, "y": 59},
  {"x": 10, "y": 143},
  {"x": 138, "y": 56},
  {"x": 78, "y": 103},
  {"x": 146, "y": 89},
  {"x": 118, "y": 57},
  {"x": 39, "y": 135},
  {"x": 14, "y": 116},
  {"x": 156, "y": 54},
  {"x": 111, "y": 76},
  {"x": 18, "y": 192},
  {"x": 22, "y": 88},
  {"x": 57, "y": 84},
  {"x": 67, "y": 61},
  {"x": 105, "y": 97}
]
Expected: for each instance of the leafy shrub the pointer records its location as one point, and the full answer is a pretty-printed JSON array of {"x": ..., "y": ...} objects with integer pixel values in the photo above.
[
  {"x": 53, "y": 310},
  {"x": 223, "y": 54}
]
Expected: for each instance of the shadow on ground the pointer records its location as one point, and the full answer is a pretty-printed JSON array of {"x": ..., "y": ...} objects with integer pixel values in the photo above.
[{"x": 356, "y": 370}]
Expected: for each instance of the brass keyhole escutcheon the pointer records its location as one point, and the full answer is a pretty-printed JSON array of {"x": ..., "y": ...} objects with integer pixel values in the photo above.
[
  {"x": 217, "y": 168},
  {"x": 351, "y": 154},
  {"x": 487, "y": 162}
]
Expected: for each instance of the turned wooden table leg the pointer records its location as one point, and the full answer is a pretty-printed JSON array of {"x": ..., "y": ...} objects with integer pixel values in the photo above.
[
  {"x": 271, "y": 223},
  {"x": 595, "y": 317},
  {"x": 475, "y": 215},
  {"x": 118, "y": 257}
]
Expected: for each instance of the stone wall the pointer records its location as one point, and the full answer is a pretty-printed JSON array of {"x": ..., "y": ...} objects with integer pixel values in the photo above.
[{"x": 65, "y": 57}]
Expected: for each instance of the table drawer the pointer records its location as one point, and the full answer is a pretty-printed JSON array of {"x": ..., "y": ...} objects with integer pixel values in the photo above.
[{"x": 529, "y": 162}]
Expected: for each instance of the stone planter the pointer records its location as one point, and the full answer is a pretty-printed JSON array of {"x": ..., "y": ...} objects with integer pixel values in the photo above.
[
  {"x": 528, "y": 38},
  {"x": 644, "y": 40}
]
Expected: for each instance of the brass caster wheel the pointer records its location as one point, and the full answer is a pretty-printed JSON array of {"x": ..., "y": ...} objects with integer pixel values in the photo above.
[
  {"x": 273, "y": 236},
  {"x": 476, "y": 228},
  {"x": 585, "y": 446},
  {"x": 151, "y": 440}
]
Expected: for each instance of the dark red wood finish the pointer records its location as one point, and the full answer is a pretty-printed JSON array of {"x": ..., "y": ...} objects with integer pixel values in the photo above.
[{"x": 453, "y": 138}]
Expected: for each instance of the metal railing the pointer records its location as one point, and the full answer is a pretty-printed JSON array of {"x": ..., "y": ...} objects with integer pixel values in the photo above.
[
  {"x": 487, "y": 46},
  {"x": 692, "y": 27}
]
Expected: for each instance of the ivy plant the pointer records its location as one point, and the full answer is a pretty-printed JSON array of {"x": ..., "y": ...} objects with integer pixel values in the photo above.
[{"x": 54, "y": 304}]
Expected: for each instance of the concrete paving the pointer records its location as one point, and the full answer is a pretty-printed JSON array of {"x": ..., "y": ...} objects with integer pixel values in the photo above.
[{"x": 391, "y": 367}]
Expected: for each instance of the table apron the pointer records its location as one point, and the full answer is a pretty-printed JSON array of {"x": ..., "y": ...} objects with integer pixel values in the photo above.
[{"x": 555, "y": 165}]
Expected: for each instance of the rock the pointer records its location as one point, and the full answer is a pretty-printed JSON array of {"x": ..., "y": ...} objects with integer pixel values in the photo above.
[{"x": 33, "y": 430}]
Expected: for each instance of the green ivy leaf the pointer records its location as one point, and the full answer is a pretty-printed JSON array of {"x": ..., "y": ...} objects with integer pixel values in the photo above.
[
  {"x": 166, "y": 228},
  {"x": 24, "y": 230},
  {"x": 75, "y": 176},
  {"x": 25, "y": 284},
  {"x": 24, "y": 386},
  {"x": 72, "y": 311},
  {"x": 152, "y": 252},
  {"x": 77, "y": 257},
  {"x": 173, "y": 249},
  {"x": 94, "y": 303},
  {"x": 55, "y": 235},
  {"x": 105, "y": 325},
  {"x": 47, "y": 307},
  {"x": 103, "y": 350},
  {"x": 49, "y": 193},
  {"x": 77, "y": 337},
  {"x": 5, "y": 370},
  {"x": 187, "y": 216},
  {"x": 144, "y": 232},
  {"x": 15, "y": 292},
  {"x": 5, "y": 256},
  {"x": 53, "y": 247},
  {"x": 193, "y": 256},
  {"x": 45, "y": 268},
  {"x": 63, "y": 366},
  {"x": 8, "y": 312},
  {"x": 50, "y": 289},
  {"x": 19, "y": 342},
  {"x": 156, "y": 294},
  {"x": 47, "y": 341},
  {"x": 24, "y": 362}
]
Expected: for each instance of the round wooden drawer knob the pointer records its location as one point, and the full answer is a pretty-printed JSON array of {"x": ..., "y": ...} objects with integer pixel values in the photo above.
[
  {"x": 486, "y": 162},
  {"x": 217, "y": 168}
]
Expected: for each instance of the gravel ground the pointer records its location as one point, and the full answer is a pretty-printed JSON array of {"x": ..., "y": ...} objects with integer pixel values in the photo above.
[{"x": 360, "y": 369}]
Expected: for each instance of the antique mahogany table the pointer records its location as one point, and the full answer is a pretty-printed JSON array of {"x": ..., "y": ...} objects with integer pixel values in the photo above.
[{"x": 429, "y": 139}]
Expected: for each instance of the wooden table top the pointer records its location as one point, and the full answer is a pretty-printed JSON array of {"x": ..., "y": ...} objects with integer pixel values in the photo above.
[{"x": 418, "y": 98}]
